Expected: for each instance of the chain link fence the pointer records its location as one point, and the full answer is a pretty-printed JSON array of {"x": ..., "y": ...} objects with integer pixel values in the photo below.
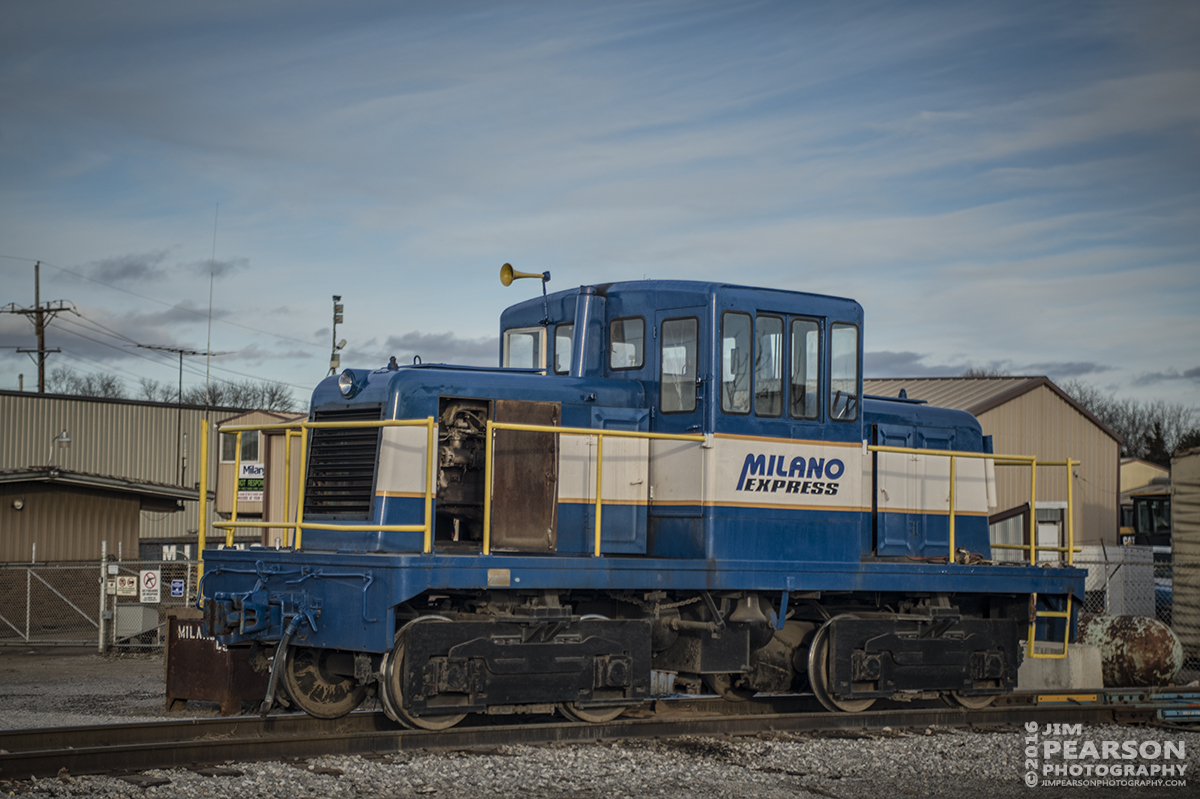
[
  {"x": 1137, "y": 583},
  {"x": 112, "y": 605}
]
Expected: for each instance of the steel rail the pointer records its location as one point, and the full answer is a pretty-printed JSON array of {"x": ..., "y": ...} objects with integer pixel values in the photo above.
[{"x": 175, "y": 744}]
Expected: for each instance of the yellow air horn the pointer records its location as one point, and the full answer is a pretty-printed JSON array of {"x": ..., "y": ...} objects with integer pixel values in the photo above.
[{"x": 508, "y": 275}]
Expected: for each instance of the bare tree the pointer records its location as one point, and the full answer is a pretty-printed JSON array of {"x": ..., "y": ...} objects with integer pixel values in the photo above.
[
  {"x": 257, "y": 394},
  {"x": 154, "y": 391},
  {"x": 979, "y": 371},
  {"x": 65, "y": 380},
  {"x": 1151, "y": 430}
]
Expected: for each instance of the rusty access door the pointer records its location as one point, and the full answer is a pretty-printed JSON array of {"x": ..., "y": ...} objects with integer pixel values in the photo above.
[{"x": 525, "y": 479}]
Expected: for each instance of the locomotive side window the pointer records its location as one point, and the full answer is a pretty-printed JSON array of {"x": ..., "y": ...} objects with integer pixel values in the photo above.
[
  {"x": 735, "y": 362},
  {"x": 626, "y": 343},
  {"x": 525, "y": 348},
  {"x": 678, "y": 378},
  {"x": 768, "y": 367},
  {"x": 843, "y": 372},
  {"x": 563, "y": 336},
  {"x": 805, "y": 393}
]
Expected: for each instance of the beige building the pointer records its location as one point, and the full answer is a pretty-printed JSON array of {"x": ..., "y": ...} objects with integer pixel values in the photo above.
[
  {"x": 268, "y": 486},
  {"x": 1032, "y": 416},
  {"x": 126, "y": 472}
]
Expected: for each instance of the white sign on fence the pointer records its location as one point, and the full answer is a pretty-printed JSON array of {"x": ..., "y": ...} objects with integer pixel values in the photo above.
[
  {"x": 150, "y": 581},
  {"x": 127, "y": 585}
]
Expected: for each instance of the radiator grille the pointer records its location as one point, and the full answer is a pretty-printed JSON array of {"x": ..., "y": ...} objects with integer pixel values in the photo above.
[{"x": 341, "y": 465}]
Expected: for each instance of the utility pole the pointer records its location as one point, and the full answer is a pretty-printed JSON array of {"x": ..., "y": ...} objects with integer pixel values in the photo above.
[
  {"x": 42, "y": 315},
  {"x": 181, "y": 351}
]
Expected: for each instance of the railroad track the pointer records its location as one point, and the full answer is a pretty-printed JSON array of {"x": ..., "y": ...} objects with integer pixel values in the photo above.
[{"x": 201, "y": 742}]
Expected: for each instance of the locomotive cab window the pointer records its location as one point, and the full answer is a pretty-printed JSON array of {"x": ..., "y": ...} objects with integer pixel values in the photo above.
[
  {"x": 677, "y": 383},
  {"x": 804, "y": 395},
  {"x": 564, "y": 334},
  {"x": 735, "y": 362},
  {"x": 626, "y": 343},
  {"x": 843, "y": 372},
  {"x": 768, "y": 366},
  {"x": 525, "y": 348}
]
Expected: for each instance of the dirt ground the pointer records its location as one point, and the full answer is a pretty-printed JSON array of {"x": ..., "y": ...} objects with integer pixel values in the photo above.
[{"x": 56, "y": 686}]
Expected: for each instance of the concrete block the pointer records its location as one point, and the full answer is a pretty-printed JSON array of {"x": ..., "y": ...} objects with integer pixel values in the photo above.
[{"x": 1078, "y": 671}]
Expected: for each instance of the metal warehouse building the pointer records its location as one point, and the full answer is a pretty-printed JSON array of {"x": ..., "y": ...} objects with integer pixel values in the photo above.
[
  {"x": 1032, "y": 416},
  {"x": 128, "y": 476}
]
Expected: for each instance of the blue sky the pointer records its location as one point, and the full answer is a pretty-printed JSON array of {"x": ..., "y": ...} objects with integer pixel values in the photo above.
[{"x": 1004, "y": 185}]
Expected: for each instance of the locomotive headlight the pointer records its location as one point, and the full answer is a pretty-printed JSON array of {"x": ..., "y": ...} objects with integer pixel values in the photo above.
[{"x": 346, "y": 383}]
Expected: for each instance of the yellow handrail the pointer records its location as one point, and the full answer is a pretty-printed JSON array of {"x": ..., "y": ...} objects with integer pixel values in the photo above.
[
  {"x": 1003, "y": 460},
  {"x": 490, "y": 456},
  {"x": 299, "y": 525}
]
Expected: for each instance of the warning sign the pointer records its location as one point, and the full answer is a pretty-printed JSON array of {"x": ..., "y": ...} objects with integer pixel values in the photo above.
[
  {"x": 127, "y": 585},
  {"x": 250, "y": 482},
  {"x": 149, "y": 582}
]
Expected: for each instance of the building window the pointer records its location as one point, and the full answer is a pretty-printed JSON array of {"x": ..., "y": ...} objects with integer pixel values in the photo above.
[
  {"x": 249, "y": 447},
  {"x": 805, "y": 393},
  {"x": 564, "y": 334},
  {"x": 735, "y": 362},
  {"x": 626, "y": 343},
  {"x": 525, "y": 348},
  {"x": 843, "y": 372},
  {"x": 677, "y": 384},
  {"x": 768, "y": 366}
]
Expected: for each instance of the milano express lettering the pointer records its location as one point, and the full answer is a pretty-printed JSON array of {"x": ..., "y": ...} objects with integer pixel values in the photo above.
[{"x": 800, "y": 476}]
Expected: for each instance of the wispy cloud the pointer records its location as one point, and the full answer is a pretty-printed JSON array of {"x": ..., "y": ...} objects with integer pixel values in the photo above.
[{"x": 1007, "y": 184}]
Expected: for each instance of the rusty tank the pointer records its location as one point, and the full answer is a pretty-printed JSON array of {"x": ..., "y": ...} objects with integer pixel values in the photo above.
[{"x": 1135, "y": 651}]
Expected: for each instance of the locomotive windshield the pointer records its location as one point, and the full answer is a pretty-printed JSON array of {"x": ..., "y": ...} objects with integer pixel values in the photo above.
[{"x": 525, "y": 348}]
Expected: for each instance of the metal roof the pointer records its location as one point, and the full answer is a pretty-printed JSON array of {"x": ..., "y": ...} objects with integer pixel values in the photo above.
[
  {"x": 975, "y": 395},
  {"x": 54, "y": 474}
]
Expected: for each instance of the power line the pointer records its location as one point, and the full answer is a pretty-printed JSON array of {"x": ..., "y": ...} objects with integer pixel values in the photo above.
[
  {"x": 173, "y": 306},
  {"x": 193, "y": 372}
]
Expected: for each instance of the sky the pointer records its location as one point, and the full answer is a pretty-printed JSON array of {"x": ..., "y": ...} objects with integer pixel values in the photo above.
[{"x": 1010, "y": 186}]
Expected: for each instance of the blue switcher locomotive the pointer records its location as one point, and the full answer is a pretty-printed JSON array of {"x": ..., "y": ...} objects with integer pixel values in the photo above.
[{"x": 665, "y": 487}]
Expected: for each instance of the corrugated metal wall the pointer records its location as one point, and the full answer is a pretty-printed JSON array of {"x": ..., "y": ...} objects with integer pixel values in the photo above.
[
  {"x": 67, "y": 523},
  {"x": 1185, "y": 549},
  {"x": 1040, "y": 423},
  {"x": 118, "y": 438}
]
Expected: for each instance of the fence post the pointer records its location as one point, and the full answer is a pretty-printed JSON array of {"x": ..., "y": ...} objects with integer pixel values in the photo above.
[
  {"x": 28, "y": 597},
  {"x": 103, "y": 595}
]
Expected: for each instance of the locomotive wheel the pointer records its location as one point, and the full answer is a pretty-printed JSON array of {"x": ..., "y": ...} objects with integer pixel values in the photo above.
[
  {"x": 722, "y": 685},
  {"x": 818, "y": 675},
  {"x": 392, "y": 693},
  {"x": 598, "y": 716},
  {"x": 315, "y": 688},
  {"x": 955, "y": 699}
]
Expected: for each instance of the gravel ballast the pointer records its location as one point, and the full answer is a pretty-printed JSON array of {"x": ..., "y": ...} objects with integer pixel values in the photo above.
[{"x": 48, "y": 688}]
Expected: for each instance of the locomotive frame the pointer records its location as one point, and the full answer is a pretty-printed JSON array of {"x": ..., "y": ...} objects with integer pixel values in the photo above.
[{"x": 670, "y": 486}]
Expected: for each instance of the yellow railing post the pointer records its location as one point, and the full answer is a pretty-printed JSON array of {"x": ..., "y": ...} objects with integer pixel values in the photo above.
[
  {"x": 429, "y": 457},
  {"x": 237, "y": 478},
  {"x": 599, "y": 485},
  {"x": 1070, "y": 514},
  {"x": 952, "y": 474},
  {"x": 489, "y": 454},
  {"x": 202, "y": 533},
  {"x": 287, "y": 487},
  {"x": 300, "y": 489},
  {"x": 1033, "y": 513}
]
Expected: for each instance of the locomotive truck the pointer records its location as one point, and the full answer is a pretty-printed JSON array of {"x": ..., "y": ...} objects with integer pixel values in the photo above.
[{"x": 664, "y": 487}]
